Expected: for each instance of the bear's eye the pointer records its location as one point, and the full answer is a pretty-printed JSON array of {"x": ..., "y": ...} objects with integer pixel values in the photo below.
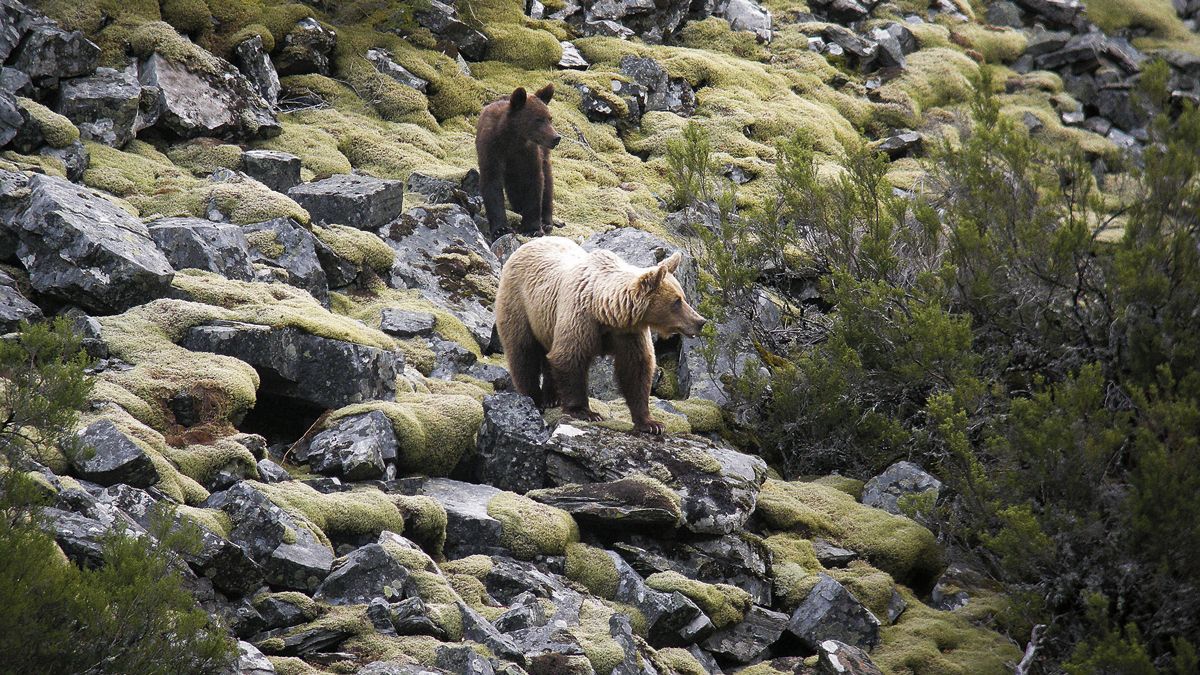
[{"x": 678, "y": 303}]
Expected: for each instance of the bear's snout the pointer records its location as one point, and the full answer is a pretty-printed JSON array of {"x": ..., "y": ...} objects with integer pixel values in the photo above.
[
  {"x": 554, "y": 142},
  {"x": 696, "y": 327}
]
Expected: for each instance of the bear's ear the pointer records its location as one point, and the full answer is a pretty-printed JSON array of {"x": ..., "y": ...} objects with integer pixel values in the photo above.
[
  {"x": 517, "y": 99},
  {"x": 546, "y": 93},
  {"x": 672, "y": 262},
  {"x": 651, "y": 278}
]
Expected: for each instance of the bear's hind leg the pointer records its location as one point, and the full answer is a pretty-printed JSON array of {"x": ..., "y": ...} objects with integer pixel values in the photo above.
[
  {"x": 549, "y": 389},
  {"x": 525, "y": 358},
  {"x": 569, "y": 368},
  {"x": 633, "y": 358}
]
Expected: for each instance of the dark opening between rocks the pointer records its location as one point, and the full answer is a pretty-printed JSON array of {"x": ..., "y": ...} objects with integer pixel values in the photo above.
[{"x": 281, "y": 420}]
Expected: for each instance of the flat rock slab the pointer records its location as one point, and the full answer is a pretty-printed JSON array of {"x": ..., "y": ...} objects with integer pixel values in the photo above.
[
  {"x": 830, "y": 612},
  {"x": 717, "y": 485},
  {"x": 624, "y": 503},
  {"x": 364, "y": 202},
  {"x": 294, "y": 364},
  {"x": 79, "y": 247},
  {"x": 196, "y": 243}
]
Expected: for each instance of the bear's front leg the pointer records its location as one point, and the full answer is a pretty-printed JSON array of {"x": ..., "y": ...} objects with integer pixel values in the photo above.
[
  {"x": 633, "y": 358},
  {"x": 569, "y": 361},
  {"x": 492, "y": 189},
  {"x": 547, "y": 215}
]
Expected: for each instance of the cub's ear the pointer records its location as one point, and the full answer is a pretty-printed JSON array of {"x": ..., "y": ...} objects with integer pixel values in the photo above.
[
  {"x": 672, "y": 262},
  {"x": 546, "y": 93},
  {"x": 517, "y": 99},
  {"x": 651, "y": 278}
]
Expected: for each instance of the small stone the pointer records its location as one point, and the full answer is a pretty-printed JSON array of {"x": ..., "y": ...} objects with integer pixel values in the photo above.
[
  {"x": 748, "y": 640},
  {"x": 279, "y": 171},
  {"x": 839, "y": 658},
  {"x": 405, "y": 324},
  {"x": 385, "y": 64},
  {"x": 356, "y": 447},
  {"x": 571, "y": 58},
  {"x": 832, "y": 556},
  {"x": 270, "y": 472}
]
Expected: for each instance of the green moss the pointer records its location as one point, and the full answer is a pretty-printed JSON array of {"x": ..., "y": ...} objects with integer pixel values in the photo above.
[
  {"x": 703, "y": 416},
  {"x": 724, "y": 604},
  {"x": 202, "y": 156},
  {"x": 159, "y": 37},
  {"x": 595, "y": 636},
  {"x": 528, "y": 528},
  {"x": 15, "y": 161},
  {"x": 1158, "y": 17},
  {"x": 432, "y": 431},
  {"x": 679, "y": 661},
  {"x": 851, "y": 486},
  {"x": 58, "y": 131},
  {"x": 342, "y": 514},
  {"x": 360, "y": 247},
  {"x": 316, "y": 148},
  {"x": 997, "y": 45},
  {"x": 265, "y": 242},
  {"x": 871, "y": 586},
  {"x": 892, "y": 543},
  {"x": 933, "y": 77},
  {"x": 714, "y": 34},
  {"x": 291, "y": 665},
  {"x": 931, "y": 642},
  {"x": 593, "y": 568},
  {"x": 795, "y": 567},
  {"x": 478, "y": 566},
  {"x": 511, "y": 38},
  {"x": 203, "y": 462},
  {"x": 245, "y": 201},
  {"x": 215, "y": 520},
  {"x": 424, "y": 520},
  {"x": 187, "y": 16}
]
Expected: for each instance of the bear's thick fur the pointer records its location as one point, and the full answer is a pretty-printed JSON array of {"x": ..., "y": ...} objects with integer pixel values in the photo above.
[
  {"x": 513, "y": 139},
  {"x": 558, "y": 307}
]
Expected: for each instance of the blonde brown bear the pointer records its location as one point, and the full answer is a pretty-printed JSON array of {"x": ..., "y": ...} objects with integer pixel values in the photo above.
[{"x": 558, "y": 307}]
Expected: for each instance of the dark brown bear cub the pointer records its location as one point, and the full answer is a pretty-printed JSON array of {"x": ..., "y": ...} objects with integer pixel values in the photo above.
[{"x": 512, "y": 142}]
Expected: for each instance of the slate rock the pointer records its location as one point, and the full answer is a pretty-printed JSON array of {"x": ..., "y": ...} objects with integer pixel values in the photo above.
[
  {"x": 252, "y": 60},
  {"x": 453, "y": 659},
  {"x": 443, "y": 21},
  {"x": 672, "y": 619},
  {"x": 653, "y": 22},
  {"x": 441, "y": 253},
  {"x": 525, "y": 612},
  {"x": 14, "y": 23},
  {"x": 107, "y": 456},
  {"x": 889, "y": 53},
  {"x": 11, "y": 119},
  {"x": 103, "y": 105},
  {"x": 1044, "y": 42},
  {"x": 356, "y": 447},
  {"x": 748, "y": 640},
  {"x": 463, "y": 192},
  {"x": 295, "y": 364},
  {"x": 14, "y": 81},
  {"x": 364, "y": 202},
  {"x": 306, "y": 49},
  {"x": 290, "y": 555},
  {"x": 512, "y": 444},
  {"x": 405, "y": 324},
  {"x": 383, "y": 62},
  {"x": 196, "y": 243},
  {"x": 1003, "y": 13},
  {"x": 571, "y": 58},
  {"x": 251, "y": 661},
  {"x": 364, "y": 574},
  {"x": 839, "y": 658},
  {"x": 14, "y": 308},
  {"x": 478, "y": 629},
  {"x": 74, "y": 158},
  {"x": 718, "y": 492},
  {"x": 469, "y": 528},
  {"x": 830, "y": 555},
  {"x": 270, "y": 472},
  {"x": 830, "y": 612},
  {"x": 48, "y": 53},
  {"x": 189, "y": 103},
  {"x": 627, "y": 502},
  {"x": 662, "y": 92},
  {"x": 79, "y": 536},
  {"x": 901, "y": 144},
  {"x": 1082, "y": 52},
  {"x": 747, "y": 15},
  {"x": 897, "y": 481},
  {"x": 279, "y": 171},
  {"x": 79, "y": 247},
  {"x": 411, "y": 617},
  {"x": 1056, "y": 12},
  {"x": 313, "y": 640},
  {"x": 280, "y": 611},
  {"x": 283, "y": 244}
]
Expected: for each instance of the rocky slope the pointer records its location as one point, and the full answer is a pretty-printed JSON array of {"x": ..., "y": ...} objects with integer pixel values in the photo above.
[{"x": 263, "y": 219}]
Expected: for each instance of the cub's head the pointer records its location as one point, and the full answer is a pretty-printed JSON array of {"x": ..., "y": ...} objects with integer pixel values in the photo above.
[
  {"x": 667, "y": 311},
  {"x": 529, "y": 117}
]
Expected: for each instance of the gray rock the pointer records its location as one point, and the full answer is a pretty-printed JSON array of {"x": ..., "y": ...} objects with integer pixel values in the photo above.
[
  {"x": 1098, "y": 125},
  {"x": 1045, "y": 42},
  {"x": 442, "y": 20},
  {"x": 190, "y": 103},
  {"x": 888, "y": 53},
  {"x": 859, "y": 51},
  {"x": 279, "y": 171},
  {"x": 747, "y": 641},
  {"x": 283, "y": 244},
  {"x": 718, "y": 494},
  {"x": 201, "y": 244},
  {"x": 512, "y": 444},
  {"x": 449, "y": 358},
  {"x": 251, "y": 661},
  {"x": 606, "y": 28},
  {"x": 346, "y": 199},
  {"x": 643, "y": 249},
  {"x": 571, "y": 58},
  {"x": 74, "y": 157},
  {"x": 671, "y": 618},
  {"x": 478, "y": 629},
  {"x": 897, "y": 481},
  {"x": 1117, "y": 105},
  {"x": 14, "y": 308},
  {"x": 651, "y": 21},
  {"x": 78, "y": 246},
  {"x": 298, "y": 365},
  {"x": 1082, "y": 52},
  {"x": 496, "y": 376},
  {"x": 410, "y": 617},
  {"x": 384, "y": 63},
  {"x": 902, "y": 144},
  {"x": 469, "y": 528},
  {"x": 747, "y": 15},
  {"x": 107, "y": 456},
  {"x": 290, "y": 555},
  {"x": 440, "y": 252},
  {"x": 14, "y": 23},
  {"x": 368, "y": 572},
  {"x": 79, "y": 536},
  {"x": 104, "y": 105},
  {"x": 270, "y": 472},
  {"x": 830, "y": 555},
  {"x": 354, "y": 448},
  {"x": 1004, "y": 13},
  {"x": 392, "y": 668},
  {"x": 463, "y": 192},
  {"x": 524, "y": 613},
  {"x": 280, "y": 611},
  {"x": 462, "y": 659},
  {"x": 306, "y": 49},
  {"x": 839, "y": 658},
  {"x": 623, "y": 503},
  {"x": 11, "y": 119},
  {"x": 253, "y": 61},
  {"x": 14, "y": 81},
  {"x": 406, "y": 324},
  {"x": 313, "y": 640},
  {"x": 662, "y": 92},
  {"x": 1056, "y": 12},
  {"x": 830, "y": 612},
  {"x": 48, "y": 53}
]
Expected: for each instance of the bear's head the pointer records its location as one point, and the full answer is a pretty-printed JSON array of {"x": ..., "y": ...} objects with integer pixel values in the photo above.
[
  {"x": 529, "y": 117},
  {"x": 667, "y": 311}
]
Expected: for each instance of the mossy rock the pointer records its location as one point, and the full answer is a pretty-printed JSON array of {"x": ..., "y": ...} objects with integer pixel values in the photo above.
[
  {"x": 58, "y": 131},
  {"x": 925, "y": 641},
  {"x": 593, "y": 568},
  {"x": 424, "y": 520},
  {"x": 892, "y": 543},
  {"x": 725, "y": 605},
  {"x": 529, "y": 529},
  {"x": 346, "y": 515},
  {"x": 433, "y": 431}
]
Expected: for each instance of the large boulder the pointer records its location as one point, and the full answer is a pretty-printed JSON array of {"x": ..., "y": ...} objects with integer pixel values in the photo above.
[
  {"x": 366, "y": 573},
  {"x": 83, "y": 249},
  {"x": 107, "y": 456},
  {"x": 290, "y": 554},
  {"x": 357, "y": 447},
  {"x": 902, "y": 479},
  {"x": 103, "y": 105},
  {"x": 469, "y": 527},
  {"x": 196, "y": 243},
  {"x": 830, "y": 612},
  {"x": 291, "y": 250},
  {"x": 48, "y": 53},
  {"x": 14, "y": 22},
  {"x": 440, "y": 252},
  {"x": 364, "y": 202},
  {"x": 512, "y": 445},
  {"x": 717, "y": 485},
  {"x": 748, "y": 640},
  {"x": 191, "y": 102},
  {"x": 298, "y": 365}
]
